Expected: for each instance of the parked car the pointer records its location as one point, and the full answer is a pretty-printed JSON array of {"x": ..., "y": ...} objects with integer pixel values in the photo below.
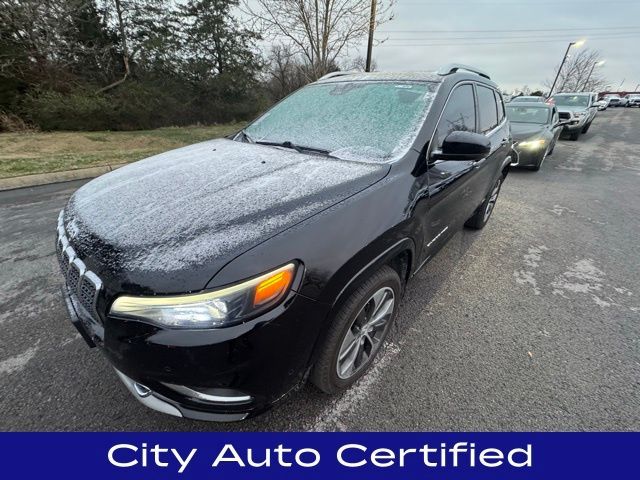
[
  {"x": 217, "y": 277},
  {"x": 616, "y": 100},
  {"x": 579, "y": 109},
  {"x": 525, "y": 98},
  {"x": 633, "y": 100},
  {"x": 602, "y": 105},
  {"x": 535, "y": 129}
]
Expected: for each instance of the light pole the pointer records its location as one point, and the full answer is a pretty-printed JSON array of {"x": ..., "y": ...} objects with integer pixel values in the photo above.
[
  {"x": 564, "y": 59},
  {"x": 372, "y": 27},
  {"x": 596, "y": 64}
]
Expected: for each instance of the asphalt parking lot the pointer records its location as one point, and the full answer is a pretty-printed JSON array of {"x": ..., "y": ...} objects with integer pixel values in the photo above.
[{"x": 531, "y": 324}]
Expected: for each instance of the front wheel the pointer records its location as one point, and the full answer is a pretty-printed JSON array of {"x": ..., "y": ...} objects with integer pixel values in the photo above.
[
  {"x": 574, "y": 135},
  {"x": 483, "y": 213},
  {"x": 358, "y": 331}
]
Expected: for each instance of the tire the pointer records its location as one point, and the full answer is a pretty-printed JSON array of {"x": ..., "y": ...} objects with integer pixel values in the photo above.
[
  {"x": 328, "y": 374},
  {"x": 586, "y": 128},
  {"x": 574, "y": 136},
  {"x": 481, "y": 216}
]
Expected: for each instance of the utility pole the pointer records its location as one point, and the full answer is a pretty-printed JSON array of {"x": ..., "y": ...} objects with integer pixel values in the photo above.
[{"x": 372, "y": 27}]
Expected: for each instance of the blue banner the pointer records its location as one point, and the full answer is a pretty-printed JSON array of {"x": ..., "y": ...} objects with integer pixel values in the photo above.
[{"x": 321, "y": 456}]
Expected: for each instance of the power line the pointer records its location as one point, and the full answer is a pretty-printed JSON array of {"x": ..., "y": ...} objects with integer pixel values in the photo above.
[
  {"x": 519, "y": 30},
  {"x": 524, "y": 4},
  {"x": 513, "y": 37},
  {"x": 524, "y": 42}
]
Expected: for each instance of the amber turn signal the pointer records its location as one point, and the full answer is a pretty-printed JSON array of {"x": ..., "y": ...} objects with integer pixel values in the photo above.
[{"x": 273, "y": 286}]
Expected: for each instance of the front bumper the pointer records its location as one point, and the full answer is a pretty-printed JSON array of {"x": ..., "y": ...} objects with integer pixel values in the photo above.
[
  {"x": 578, "y": 123},
  {"x": 224, "y": 374}
]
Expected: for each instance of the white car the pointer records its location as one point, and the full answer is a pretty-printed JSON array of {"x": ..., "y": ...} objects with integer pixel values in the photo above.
[
  {"x": 616, "y": 100},
  {"x": 633, "y": 100},
  {"x": 602, "y": 104}
]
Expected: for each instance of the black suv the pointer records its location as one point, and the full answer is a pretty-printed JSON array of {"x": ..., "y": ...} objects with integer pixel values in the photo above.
[{"x": 218, "y": 277}]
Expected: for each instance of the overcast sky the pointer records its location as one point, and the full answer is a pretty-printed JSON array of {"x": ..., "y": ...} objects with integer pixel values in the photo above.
[{"x": 426, "y": 34}]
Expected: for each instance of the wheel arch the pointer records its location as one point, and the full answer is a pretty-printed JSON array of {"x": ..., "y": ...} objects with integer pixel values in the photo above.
[{"x": 400, "y": 256}]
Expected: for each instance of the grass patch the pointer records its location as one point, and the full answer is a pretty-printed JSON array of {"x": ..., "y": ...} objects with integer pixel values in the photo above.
[{"x": 43, "y": 152}]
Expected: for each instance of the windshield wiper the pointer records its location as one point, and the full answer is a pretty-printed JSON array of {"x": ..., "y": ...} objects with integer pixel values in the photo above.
[
  {"x": 297, "y": 148},
  {"x": 247, "y": 138}
]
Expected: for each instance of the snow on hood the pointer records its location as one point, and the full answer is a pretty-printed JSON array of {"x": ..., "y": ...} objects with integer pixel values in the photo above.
[{"x": 206, "y": 203}]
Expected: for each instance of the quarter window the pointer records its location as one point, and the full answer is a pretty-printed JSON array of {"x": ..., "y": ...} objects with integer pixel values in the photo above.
[
  {"x": 487, "y": 108},
  {"x": 500, "y": 105},
  {"x": 458, "y": 115}
]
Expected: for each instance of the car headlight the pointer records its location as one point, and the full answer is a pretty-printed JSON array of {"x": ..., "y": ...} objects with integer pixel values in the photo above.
[
  {"x": 216, "y": 308},
  {"x": 533, "y": 144},
  {"x": 579, "y": 114}
]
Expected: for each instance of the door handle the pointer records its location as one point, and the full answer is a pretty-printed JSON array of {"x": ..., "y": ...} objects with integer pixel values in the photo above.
[{"x": 504, "y": 142}]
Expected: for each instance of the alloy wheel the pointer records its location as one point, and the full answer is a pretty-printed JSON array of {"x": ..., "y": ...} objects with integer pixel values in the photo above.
[{"x": 366, "y": 333}]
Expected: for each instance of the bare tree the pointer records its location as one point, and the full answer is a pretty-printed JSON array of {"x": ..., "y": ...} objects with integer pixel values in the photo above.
[
  {"x": 359, "y": 64},
  {"x": 580, "y": 73},
  {"x": 320, "y": 31},
  {"x": 137, "y": 23},
  {"x": 285, "y": 71}
]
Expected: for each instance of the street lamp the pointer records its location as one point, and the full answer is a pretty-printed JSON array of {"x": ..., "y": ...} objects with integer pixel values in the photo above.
[
  {"x": 596, "y": 64},
  {"x": 576, "y": 44}
]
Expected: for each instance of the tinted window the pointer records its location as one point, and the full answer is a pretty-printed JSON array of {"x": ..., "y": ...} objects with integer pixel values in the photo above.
[
  {"x": 459, "y": 114},
  {"x": 487, "y": 109},
  {"x": 500, "y": 106}
]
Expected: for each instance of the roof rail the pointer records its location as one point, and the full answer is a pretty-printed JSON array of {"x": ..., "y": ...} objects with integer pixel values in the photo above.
[
  {"x": 454, "y": 67},
  {"x": 336, "y": 74}
]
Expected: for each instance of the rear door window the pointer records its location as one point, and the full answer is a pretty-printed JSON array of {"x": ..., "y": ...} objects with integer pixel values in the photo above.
[{"x": 487, "y": 109}]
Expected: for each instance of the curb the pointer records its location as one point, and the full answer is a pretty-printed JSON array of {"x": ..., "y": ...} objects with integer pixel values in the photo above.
[{"x": 38, "y": 179}]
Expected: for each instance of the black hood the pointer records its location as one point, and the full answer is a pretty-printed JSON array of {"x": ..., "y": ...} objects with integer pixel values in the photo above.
[
  {"x": 168, "y": 223},
  {"x": 522, "y": 131}
]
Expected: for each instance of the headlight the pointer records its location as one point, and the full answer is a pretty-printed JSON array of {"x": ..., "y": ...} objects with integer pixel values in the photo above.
[
  {"x": 533, "y": 144},
  {"x": 211, "y": 309},
  {"x": 579, "y": 114}
]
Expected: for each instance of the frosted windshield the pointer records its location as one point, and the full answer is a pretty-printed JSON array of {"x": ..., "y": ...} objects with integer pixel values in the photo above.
[{"x": 352, "y": 120}]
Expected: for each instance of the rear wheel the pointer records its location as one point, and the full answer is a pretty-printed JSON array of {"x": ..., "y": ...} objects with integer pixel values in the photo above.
[
  {"x": 358, "y": 331},
  {"x": 482, "y": 215}
]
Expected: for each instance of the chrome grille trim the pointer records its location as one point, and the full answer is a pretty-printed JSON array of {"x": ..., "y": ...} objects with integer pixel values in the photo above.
[{"x": 83, "y": 284}]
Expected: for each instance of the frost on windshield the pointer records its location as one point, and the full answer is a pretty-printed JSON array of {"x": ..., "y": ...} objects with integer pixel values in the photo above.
[
  {"x": 200, "y": 203},
  {"x": 370, "y": 121}
]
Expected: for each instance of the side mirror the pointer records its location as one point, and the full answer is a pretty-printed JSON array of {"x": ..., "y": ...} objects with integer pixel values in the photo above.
[{"x": 463, "y": 146}]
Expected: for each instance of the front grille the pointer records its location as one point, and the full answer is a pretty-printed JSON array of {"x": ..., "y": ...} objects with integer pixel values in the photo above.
[
  {"x": 565, "y": 115},
  {"x": 82, "y": 284}
]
